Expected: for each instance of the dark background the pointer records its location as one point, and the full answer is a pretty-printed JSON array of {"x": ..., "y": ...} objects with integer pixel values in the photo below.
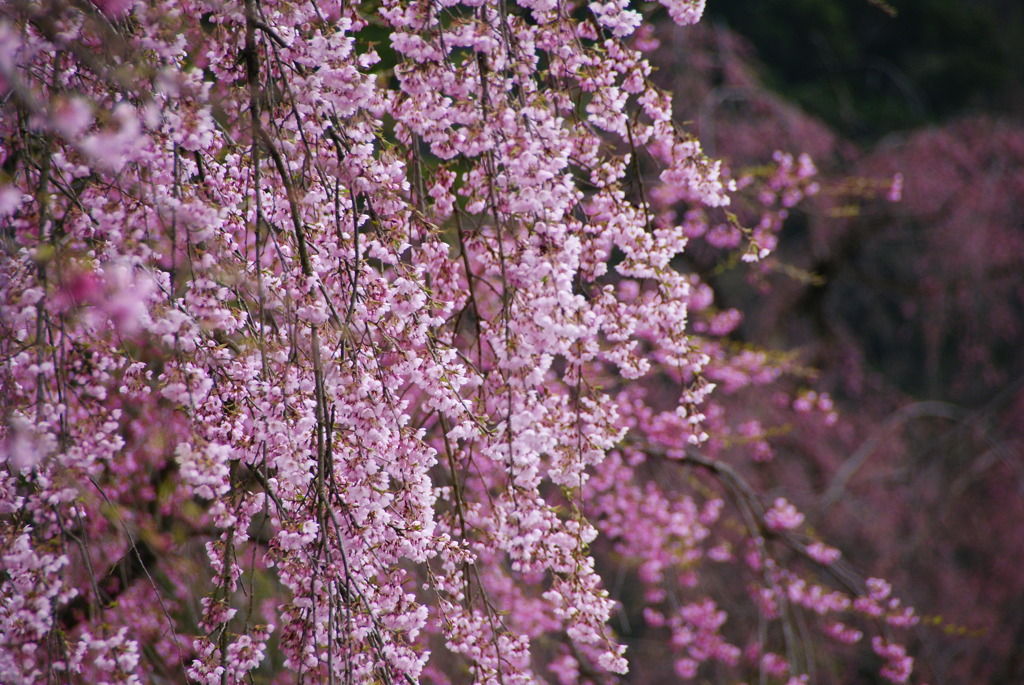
[{"x": 868, "y": 69}]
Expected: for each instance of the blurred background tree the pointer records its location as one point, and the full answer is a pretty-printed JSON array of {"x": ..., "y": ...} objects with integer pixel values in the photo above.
[{"x": 912, "y": 313}]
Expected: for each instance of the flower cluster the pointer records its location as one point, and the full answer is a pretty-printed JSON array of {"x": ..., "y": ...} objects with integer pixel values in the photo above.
[{"x": 321, "y": 353}]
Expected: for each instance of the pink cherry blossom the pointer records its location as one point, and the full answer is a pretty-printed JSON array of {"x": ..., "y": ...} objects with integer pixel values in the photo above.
[{"x": 351, "y": 342}]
